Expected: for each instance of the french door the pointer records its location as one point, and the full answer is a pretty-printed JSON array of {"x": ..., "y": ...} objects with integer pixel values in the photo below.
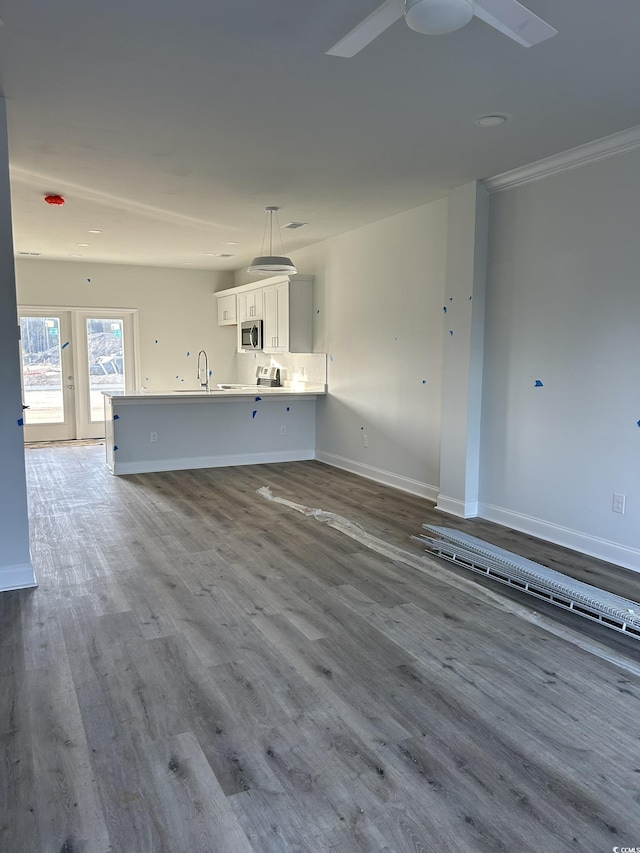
[{"x": 69, "y": 357}]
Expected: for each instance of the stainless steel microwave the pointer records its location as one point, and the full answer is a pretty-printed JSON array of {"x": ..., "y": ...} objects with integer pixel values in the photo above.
[{"x": 251, "y": 334}]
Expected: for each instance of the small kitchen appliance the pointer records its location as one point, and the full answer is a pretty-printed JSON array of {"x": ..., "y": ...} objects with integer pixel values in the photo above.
[{"x": 269, "y": 376}]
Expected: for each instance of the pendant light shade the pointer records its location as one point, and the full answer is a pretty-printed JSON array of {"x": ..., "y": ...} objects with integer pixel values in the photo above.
[
  {"x": 436, "y": 17},
  {"x": 271, "y": 264}
]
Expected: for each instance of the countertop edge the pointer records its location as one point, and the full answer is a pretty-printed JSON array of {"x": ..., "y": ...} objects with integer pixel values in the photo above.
[{"x": 214, "y": 396}]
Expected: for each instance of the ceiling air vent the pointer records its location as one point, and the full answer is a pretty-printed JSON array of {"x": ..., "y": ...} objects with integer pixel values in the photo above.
[{"x": 293, "y": 225}]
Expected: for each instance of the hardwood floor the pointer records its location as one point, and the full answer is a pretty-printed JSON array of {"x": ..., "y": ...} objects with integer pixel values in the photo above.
[{"x": 201, "y": 670}]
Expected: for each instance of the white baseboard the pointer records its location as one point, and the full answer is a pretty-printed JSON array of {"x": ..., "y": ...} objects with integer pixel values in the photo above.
[
  {"x": 602, "y": 549},
  {"x": 461, "y": 509},
  {"x": 17, "y": 577},
  {"x": 387, "y": 478},
  {"x": 184, "y": 463}
]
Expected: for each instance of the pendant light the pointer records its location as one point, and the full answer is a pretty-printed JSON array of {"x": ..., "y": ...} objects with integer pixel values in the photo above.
[
  {"x": 436, "y": 17},
  {"x": 271, "y": 264}
]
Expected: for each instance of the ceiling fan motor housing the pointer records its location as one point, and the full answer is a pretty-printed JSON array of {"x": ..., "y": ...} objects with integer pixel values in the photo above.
[{"x": 436, "y": 17}]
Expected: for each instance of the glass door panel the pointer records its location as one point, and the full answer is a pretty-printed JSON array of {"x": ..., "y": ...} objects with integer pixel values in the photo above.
[
  {"x": 47, "y": 377},
  {"x": 105, "y": 362},
  {"x": 104, "y": 341}
]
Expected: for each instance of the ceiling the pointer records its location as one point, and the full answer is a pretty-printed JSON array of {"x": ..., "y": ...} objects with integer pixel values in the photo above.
[{"x": 169, "y": 125}]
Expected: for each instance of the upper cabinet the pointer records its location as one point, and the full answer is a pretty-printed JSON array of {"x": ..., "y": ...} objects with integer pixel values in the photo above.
[
  {"x": 250, "y": 305},
  {"x": 287, "y": 320},
  {"x": 283, "y": 303},
  {"x": 227, "y": 310}
]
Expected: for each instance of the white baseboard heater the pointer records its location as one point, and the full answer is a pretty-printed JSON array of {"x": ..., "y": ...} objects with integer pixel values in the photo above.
[{"x": 612, "y": 611}]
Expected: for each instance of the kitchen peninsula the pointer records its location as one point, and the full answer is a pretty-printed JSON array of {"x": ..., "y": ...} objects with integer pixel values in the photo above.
[{"x": 236, "y": 426}]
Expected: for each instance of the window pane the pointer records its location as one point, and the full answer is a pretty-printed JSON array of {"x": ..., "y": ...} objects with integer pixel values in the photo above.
[
  {"x": 106, "y": 362},
  {"x": 42, "y": 377}
]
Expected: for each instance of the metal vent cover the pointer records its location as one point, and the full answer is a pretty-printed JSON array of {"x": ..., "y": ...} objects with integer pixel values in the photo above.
[{"x": 591, "y": 602}]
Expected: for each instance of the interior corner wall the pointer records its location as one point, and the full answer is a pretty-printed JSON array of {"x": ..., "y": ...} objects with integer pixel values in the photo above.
[
  {"x": 561, "y": 391},
  {"x": 177, "y": 312},
  {"x": 378, "y": 297},
  {"x": 15, "y": 561}
]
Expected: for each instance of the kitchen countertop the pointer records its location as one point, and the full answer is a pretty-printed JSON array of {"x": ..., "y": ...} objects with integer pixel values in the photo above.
[
  {"x": 174, "y": 430},
  {"x": 216, "y": 394}
]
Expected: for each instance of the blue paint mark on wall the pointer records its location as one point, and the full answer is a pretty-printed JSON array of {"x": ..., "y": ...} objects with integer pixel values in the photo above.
[
  {"x": 116, "y": 417},
  {"x": 258, "y": 399},
  {"x": 538, "y": 384},
  {"x": 156, "y": 341},
  {"x": 424, "y": 381},
  {"x": 89, "y": 280},
  {"x": 451, "y": 332},
  {"x": 444, "y": 308},
  {"x": 188, "y": 354},
  {"x": 254, "y": 413},
  {"x": 115, "y": 447},
  {"x": 65, "y": 345},
  {"x": 289, "y": 409},
  {"x": 330, "y": 358},
  {"x": 639, "y": 423},
  {"x": 20, "y": 421}
]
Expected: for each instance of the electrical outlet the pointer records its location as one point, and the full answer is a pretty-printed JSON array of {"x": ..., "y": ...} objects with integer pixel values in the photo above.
[
  {"x": 153, "y": 436},
  {"x": 365, "y": 440},
  {"x": 283, "y": 430},
  {"x": 619, "y": 503}
]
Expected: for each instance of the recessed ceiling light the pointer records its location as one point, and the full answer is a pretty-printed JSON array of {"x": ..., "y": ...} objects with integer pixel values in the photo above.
[
  {"x": 83, "y": 244},
  {"x": 491, "y": 121},
  {"x": 231, "y": 243},
  {"x": 94, "y": 231},
  {"x": 209, "y": 254}
]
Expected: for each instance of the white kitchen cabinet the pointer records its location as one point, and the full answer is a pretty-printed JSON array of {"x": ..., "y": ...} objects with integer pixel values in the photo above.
[
  {"x": 227, "y": 310},
  {"x": 283, "y": 302},
  {"x": 287, "y": 319},
  {"x": 250, "y": 305}
]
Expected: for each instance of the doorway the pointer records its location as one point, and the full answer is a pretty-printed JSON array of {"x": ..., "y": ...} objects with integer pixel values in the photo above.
[{"x": 69, "y": 357}]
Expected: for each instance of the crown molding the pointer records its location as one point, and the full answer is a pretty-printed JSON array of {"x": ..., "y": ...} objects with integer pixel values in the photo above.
[{"x": 583, "y": 155}]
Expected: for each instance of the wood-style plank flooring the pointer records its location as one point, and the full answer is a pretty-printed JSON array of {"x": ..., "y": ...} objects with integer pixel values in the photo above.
[{"x": 203, "y": 671}]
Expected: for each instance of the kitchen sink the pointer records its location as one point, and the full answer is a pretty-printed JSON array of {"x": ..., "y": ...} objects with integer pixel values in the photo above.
[{"x": 231, "y": 387}]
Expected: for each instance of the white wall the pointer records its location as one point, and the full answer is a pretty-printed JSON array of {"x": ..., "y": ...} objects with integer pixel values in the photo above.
[
  {"x": 563, "y": 308},
  {"x": 378, "y": 297},
  {"x": 15, "y": 562},
  {"x": 177, "y": 308}
]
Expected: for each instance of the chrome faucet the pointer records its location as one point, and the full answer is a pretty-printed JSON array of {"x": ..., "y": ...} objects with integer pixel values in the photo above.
[{"x": 199, "y": 376}]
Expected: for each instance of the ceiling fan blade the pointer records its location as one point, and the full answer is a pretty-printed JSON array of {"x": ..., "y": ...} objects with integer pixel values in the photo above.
[
  {"x": 514, "y": 20},
  {"x": 369, "y": 29}
]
